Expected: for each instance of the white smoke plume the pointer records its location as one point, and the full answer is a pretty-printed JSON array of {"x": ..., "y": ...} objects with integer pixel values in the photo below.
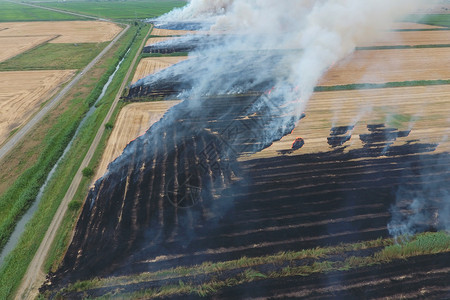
[
  {"x": 308, "y": 36},
  {"x": 325, "y": 30},
  {"x": 198, "y": 9}
]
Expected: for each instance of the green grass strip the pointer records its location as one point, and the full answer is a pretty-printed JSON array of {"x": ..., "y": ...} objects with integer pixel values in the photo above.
[
  {"x": 421, "y": 244},
  {"x": 17, "y": 262},
  {"x": 54, "y": 57},
  {"x": 13, "y": 12},
  {"x": 368, "y": 86},
  {"x": 431, "y": 19}
]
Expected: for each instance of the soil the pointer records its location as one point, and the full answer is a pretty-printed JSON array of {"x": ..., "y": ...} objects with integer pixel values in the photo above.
[
  {"x": 68, "y": 31},
  {"x": 22, "y": 94}
]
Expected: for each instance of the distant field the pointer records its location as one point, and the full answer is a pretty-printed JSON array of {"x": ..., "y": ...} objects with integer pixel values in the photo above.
[
  {"x": 67, "y": 32},
  {"x": 411, "y": 38},
  {"x": 432, "y": 19},
  {"x": 71, "y": 44},
  {"x": 11, "y": 12},
  {"x": 381, "y": 66},
  {"x": 54, "y": 56},
  {"x": 118, "y": 9}
]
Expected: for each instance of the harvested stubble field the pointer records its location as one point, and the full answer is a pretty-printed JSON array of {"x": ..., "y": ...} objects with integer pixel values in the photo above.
[
  {"x": 11, "y": 46},
  {"x": 134, "y": 120},
  {"x": 151, "y": 65},
  {"x": 411, "y": 38},
  {"x": 22, "y": 94},
  {"x": 170, "y": 32},
  {"x": 155, "y": 40},
  {"x": 390, "y": 65},
  {"x": 422, "y": 109},
  {"x": 69, "y": 32}
]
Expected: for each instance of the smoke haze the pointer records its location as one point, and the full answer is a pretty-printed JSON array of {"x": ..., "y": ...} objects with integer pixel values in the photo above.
[{"x": 312, "y": 35}]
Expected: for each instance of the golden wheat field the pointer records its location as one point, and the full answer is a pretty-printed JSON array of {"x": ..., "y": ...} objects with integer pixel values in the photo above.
[
  {"x": 23, "y": 92},
  {"x": 67, "y": 31},
  {"x": 151, "y": 65},
  {"x": 381, "y": 66}
]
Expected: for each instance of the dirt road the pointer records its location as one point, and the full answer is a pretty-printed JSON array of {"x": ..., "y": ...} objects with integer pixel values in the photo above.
[{"x": 34, "y": 277}]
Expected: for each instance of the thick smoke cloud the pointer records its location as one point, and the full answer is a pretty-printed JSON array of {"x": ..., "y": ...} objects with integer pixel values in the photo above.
[
  {"x": 310, "y": 35},
  {"x": 324, "y": 31}
]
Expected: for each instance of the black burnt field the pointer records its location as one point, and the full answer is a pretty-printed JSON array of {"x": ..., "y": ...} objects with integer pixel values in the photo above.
[
  {"x": 181, "y": 198},
  {"x": 185, "y": 212}
]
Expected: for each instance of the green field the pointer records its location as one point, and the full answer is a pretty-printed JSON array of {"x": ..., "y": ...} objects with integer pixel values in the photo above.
[
  {"x": 54, "y": 57},
  {"x": 437, "y": 20},
  {"x": 11, "y": 12},
  {"x": 136, "y": 9}
]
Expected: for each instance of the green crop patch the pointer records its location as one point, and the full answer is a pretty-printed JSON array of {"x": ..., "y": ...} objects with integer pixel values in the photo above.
[
  {"x": 118, "y": 9},
  {"x": 54, "y": 57},
  {"x": 435, "y": 19},
  {"x": 12, "y": 12}
]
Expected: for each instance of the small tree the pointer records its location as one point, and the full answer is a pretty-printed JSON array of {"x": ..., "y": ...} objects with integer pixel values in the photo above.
[
  {"x": 87, "y": 172},
  {"x": 109, "y": 126},
  {"x": 74, "y": 205}
]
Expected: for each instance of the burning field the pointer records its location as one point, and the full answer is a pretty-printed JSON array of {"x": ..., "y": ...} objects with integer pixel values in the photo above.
[
  {"x": 151, "y": 65},
  {"x": 254, "y": 185},
  {"x": 132, "y": 122}
]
